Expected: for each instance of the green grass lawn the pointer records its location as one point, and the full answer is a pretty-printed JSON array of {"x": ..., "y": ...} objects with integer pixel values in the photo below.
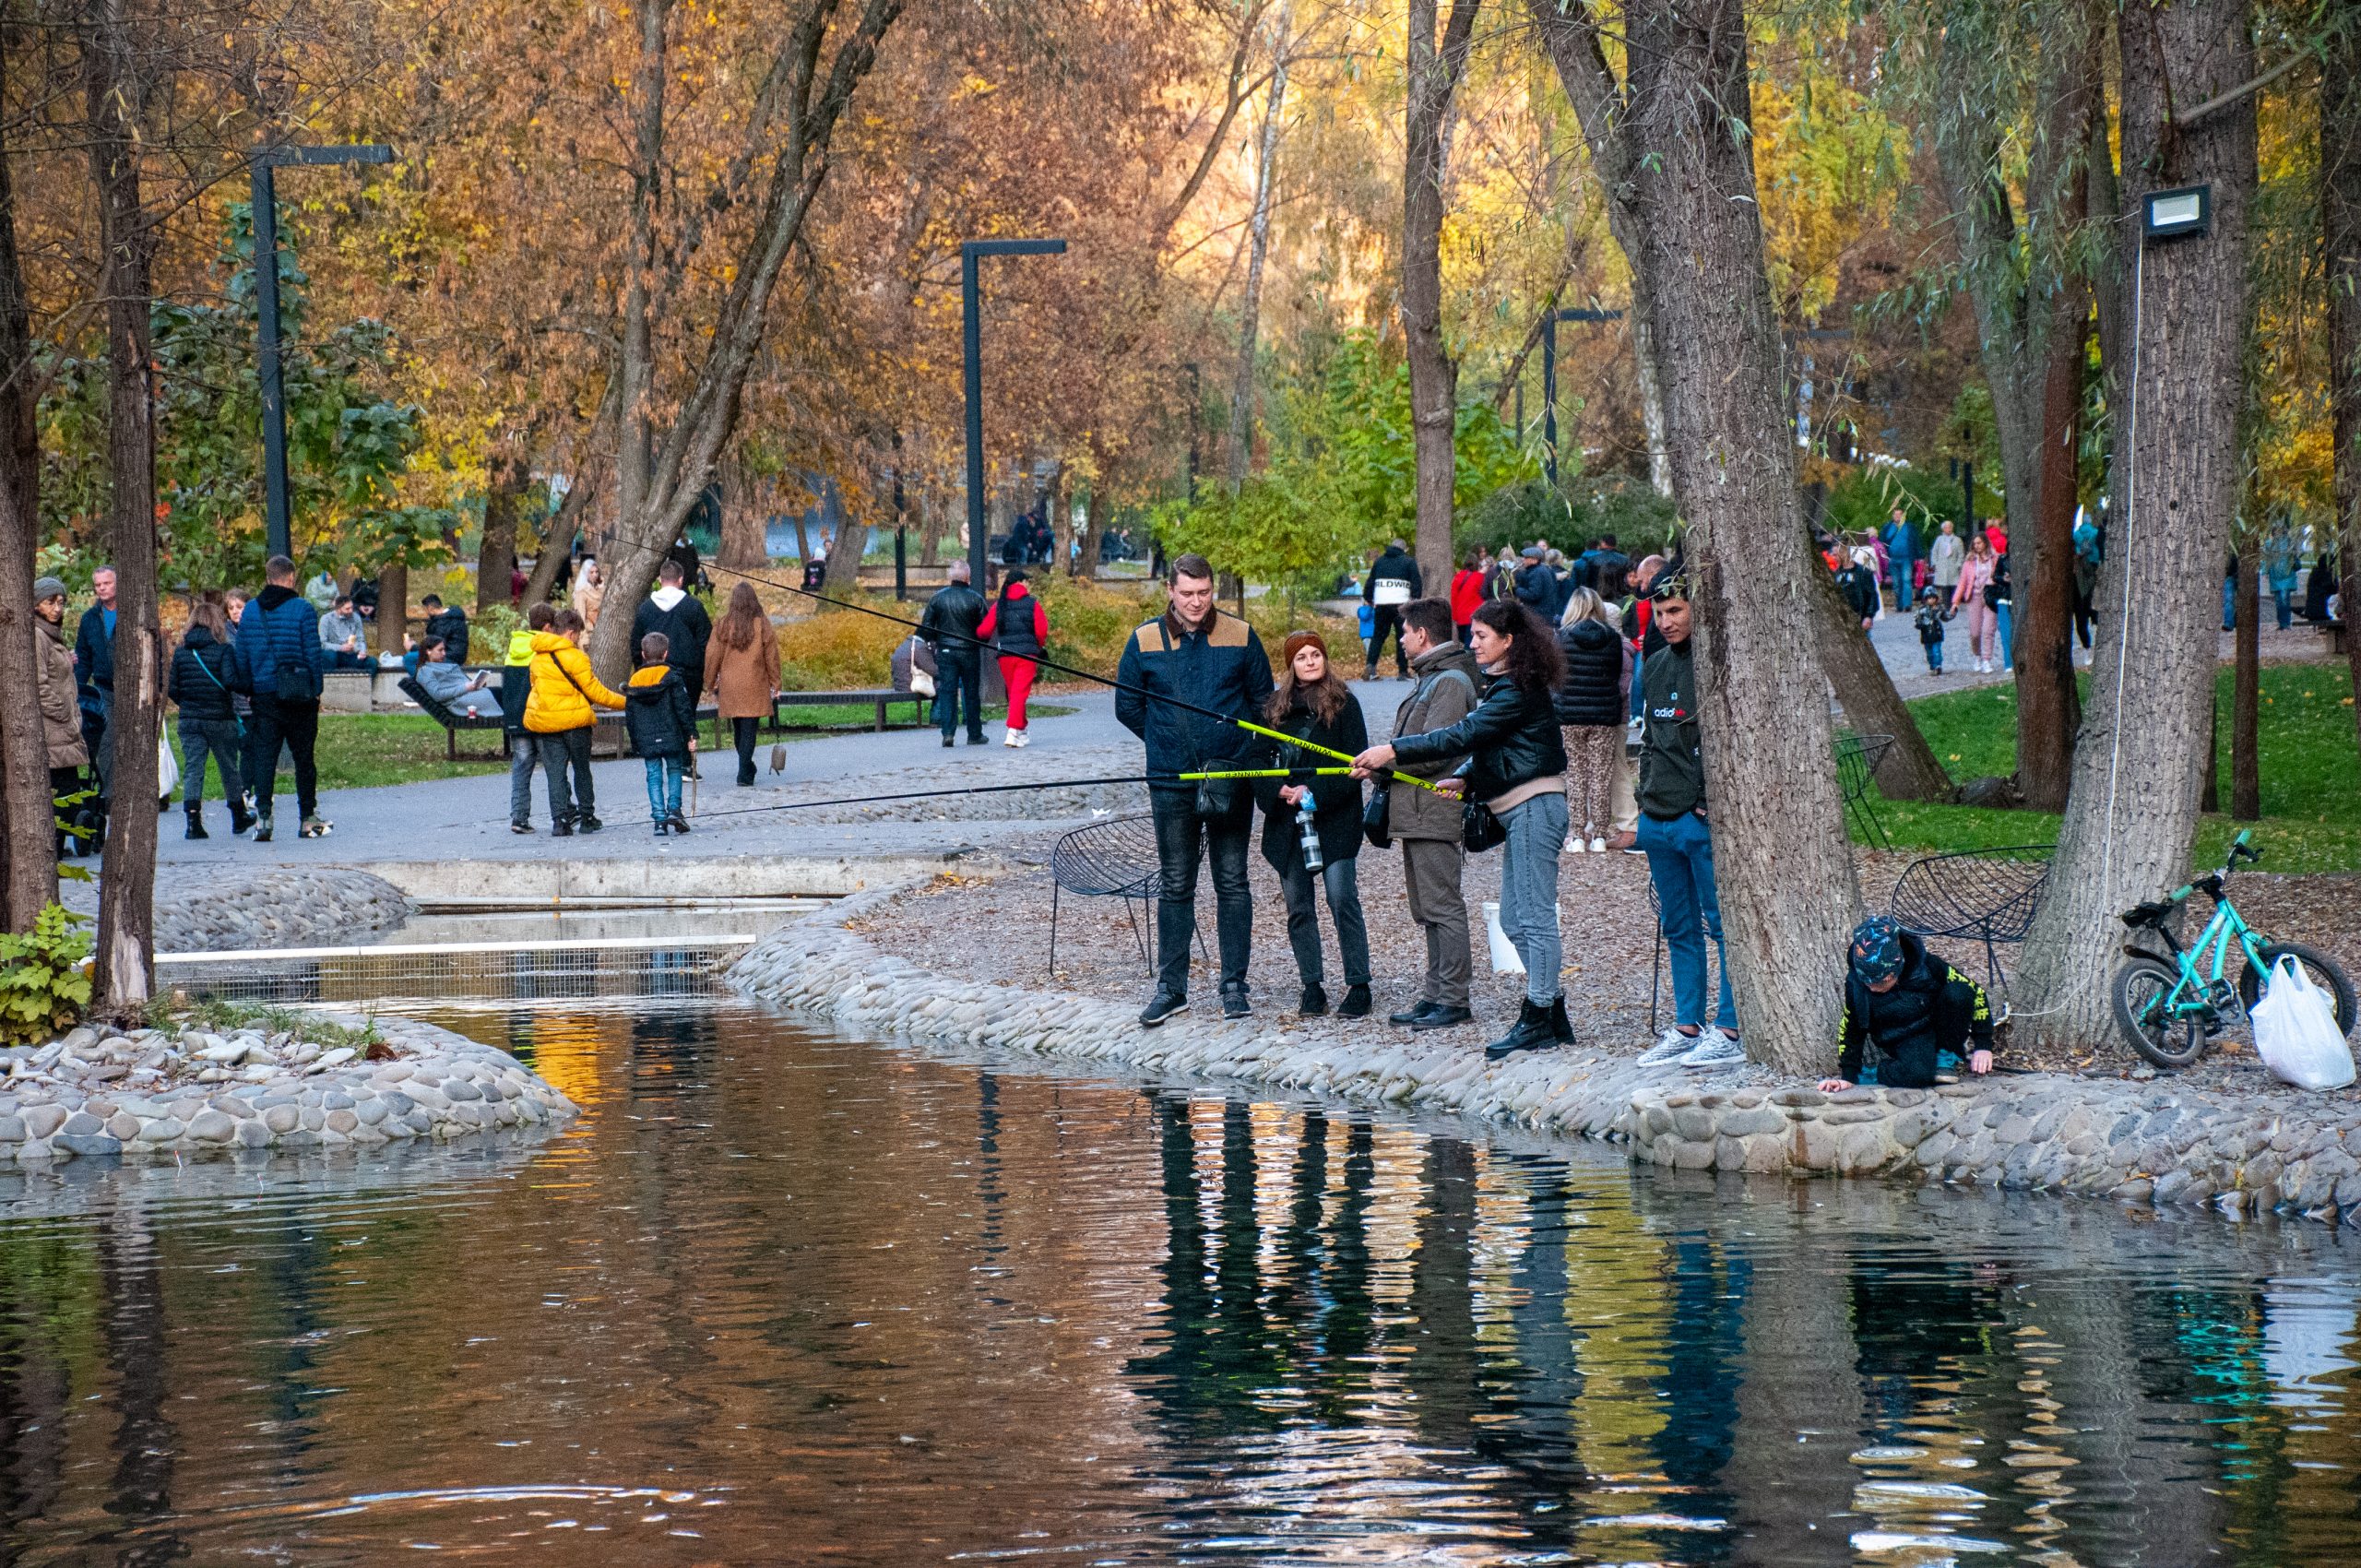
[
  {"x": 360, "y": 751},
  {"x": 2311, "y": 773}
]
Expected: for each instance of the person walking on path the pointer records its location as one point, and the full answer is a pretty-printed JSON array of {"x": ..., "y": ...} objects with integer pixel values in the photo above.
[
  {"x": 1900, "y": 542},
  {"x": 560, "y": 712},
  {"x": 2279, "y": 567},
  {"x": 203, "y": 683},
  {"x": 1516, "y": 766},
  {"x": 1429, "y": 825},
  {"x": 1944, "y": 558},
  {"x": 1312, "y": 704},
  {"x": 742, "y": 676},
  {"x": 2090, "y": 551},
  {"x": 283, "y": 664},
  {"x": 1928, "y": 618},
  {"x": 1536, "y": 585},
  {"x": 515, "y": 689},
  {"x": 1018, "y": 629},
  {"x": 1968, "y": 594},
  {"x": 660, "y": 712},
  {"x": 951, "y": 625},
  {"x": 1468, "y": 591},
  {"x": 1673, "y": 833},
  {"x": 94, "y": 672},
  {"x": 1911, "y": 1008},
  {"x": 1590, "y": 703},
  {"x": 678, "y": 613},
  {"x": 589, "y": 593},
  {"x": 1394, "y": 581},
  {"x": 1999, "y": 594},
  {"x": 60, "y": 713},
  {"x": 1183, "y": 676}
]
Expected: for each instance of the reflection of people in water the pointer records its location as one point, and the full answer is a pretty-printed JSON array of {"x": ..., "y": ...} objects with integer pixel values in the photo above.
[{"x": 1912, "y": 1006}]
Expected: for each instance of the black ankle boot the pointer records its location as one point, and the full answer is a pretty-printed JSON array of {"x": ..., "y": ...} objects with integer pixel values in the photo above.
[
  {"x": 1562, "y": 1029},
  {"x": 196, "y": 821},
  {"x": 241, "y": 819},
  {"x": 1314, "y": 1001},
  {"x": 1531, "y": 1033}
]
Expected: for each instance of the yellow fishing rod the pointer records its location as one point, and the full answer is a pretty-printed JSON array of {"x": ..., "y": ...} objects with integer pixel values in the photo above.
[
  {"x": 1324, "y": 751},
  {"x": 1265, "y": 773}
]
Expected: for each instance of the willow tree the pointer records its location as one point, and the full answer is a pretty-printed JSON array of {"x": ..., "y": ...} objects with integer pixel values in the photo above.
[
  {"x": 2186, "y": 117},
  {"x": 1683, "y": 165}
]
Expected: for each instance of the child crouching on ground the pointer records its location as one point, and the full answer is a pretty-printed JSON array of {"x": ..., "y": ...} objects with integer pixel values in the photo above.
[
  {"x": 662, "y": 719},
  {"x": 1929, "y": 622}
]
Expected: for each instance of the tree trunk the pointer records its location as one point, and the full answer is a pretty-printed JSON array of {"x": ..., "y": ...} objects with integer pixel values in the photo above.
[
  {"x": 115, "y": 95},
  {"x": 27, "y": 812},
  {"x": 1434, "y": 75},
  {"x": 1258, "y": 244},
  {"x": 2132, "y": 811},
  {"x": 2049, "y": 707},
  {"x": 2246, "y": 689},
  {"x": 1908, "y": 771},
  {"x": 845, "y": 552},
  {"x": 393, "y": 609},
  {"x": 2341, "y": 224},
  {"x": 1788, "y": 895},
  {"x": 557, "y": 543},
  {"x": 504, "y": 496},
  {"x": 2209, "y": 790},
  {"x": 1094, "y": 530},
  {"x": 745, "y": 531}
]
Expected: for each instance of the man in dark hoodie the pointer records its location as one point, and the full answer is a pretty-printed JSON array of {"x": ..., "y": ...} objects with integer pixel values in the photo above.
[
  {"x": 661, "y": 715},
  {"x": 1429, "y": 826},
  {"x": 94, "y": 670},
  {"x": 1912, "y": 1006},
  {"x": 280, "y": 657},
  {"x": 681, "y": 617},
  {"x": 1394, "y": 581}
]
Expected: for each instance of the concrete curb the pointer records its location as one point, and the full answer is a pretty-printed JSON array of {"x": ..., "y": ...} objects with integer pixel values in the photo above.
[{"x": 2139, "y": 1144}]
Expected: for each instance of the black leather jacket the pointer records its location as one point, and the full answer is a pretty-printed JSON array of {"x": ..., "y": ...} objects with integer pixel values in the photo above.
[
  {"x": 951, "y": 619},
  {"x": 1511, "y": 739}
]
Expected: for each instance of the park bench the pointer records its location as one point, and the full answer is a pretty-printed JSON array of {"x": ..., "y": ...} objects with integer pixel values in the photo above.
[
  {"x": 2334, "y": 632},
  {"x": 454, "y": 720},
  {"x": 1115, "y": 858},
  {"x": 1982, "y": 895},
  {"x": 1856, "y": 763},
  {"x": 880, "y": 698}
]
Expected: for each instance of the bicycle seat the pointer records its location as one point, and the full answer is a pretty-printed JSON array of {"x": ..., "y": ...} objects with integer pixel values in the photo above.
[{"x": 2150, "y": 914}]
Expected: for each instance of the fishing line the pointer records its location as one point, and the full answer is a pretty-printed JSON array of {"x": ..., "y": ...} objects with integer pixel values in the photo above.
[
  {"x": 1044, "y": 662},
  {"x": 1029, "y": 784}
]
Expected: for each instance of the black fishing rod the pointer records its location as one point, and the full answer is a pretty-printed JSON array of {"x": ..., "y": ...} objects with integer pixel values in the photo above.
[
  {"x": 1029, "y": 784},
  {"x": 1047, "y": 663}
]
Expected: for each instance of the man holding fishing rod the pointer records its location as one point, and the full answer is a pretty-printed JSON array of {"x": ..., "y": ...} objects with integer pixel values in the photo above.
[{"x": 1188, "y": 680}]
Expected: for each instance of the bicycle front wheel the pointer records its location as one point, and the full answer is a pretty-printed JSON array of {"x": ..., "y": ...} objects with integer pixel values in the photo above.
[
  {"x": 2141, "y": 989},
  {"x": 2317, "y": 967}
]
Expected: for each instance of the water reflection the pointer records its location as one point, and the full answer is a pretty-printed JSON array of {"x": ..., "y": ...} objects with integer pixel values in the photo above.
[{"x": 787, "y": 1297}]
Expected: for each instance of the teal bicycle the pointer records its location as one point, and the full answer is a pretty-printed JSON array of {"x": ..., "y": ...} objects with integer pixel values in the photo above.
[{"x": 2171, "y": 1004}]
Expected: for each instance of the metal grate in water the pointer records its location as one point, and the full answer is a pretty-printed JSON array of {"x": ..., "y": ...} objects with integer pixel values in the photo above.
[{"x": 580, "y": 968}]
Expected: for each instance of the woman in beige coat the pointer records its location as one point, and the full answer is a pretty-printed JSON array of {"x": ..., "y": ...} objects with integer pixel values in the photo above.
[
  {"x": 61, "y": 722},
  {"x": 742, "y": 672}
]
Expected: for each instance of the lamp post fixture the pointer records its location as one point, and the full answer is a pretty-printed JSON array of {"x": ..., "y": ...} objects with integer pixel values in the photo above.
[
  {"x": 971, "y": 322},
  {"x": 1549, "y": 380},
  {"x": 274, "y": 400}
]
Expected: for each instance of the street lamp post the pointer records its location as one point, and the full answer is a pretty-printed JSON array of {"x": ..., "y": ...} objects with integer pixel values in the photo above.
[
  {"x": 971, "y": 322},
  {"x": 274, "y": 400},
  {"x": 1550, "y": 379}
]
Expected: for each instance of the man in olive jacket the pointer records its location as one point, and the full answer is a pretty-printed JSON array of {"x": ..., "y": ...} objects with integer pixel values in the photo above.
[{"x": 1428, "y": 825}]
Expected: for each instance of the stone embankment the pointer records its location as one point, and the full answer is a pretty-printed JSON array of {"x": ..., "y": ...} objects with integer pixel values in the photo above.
[
  {"x": 263, "y": 907},
  {"x": 2138, "y": 1142},
  {"x": 153, "y": 1092}
]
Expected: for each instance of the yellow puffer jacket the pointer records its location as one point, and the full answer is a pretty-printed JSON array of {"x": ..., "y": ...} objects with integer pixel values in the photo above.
[{"x": 563, "y": 687}]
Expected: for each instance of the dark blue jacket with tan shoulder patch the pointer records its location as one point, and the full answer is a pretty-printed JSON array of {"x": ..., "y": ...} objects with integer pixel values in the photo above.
[{"x": 1220, "y": 667}]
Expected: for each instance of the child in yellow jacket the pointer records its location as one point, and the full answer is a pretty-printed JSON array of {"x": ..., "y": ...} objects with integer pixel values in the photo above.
[{"x": 559, "y": 711}]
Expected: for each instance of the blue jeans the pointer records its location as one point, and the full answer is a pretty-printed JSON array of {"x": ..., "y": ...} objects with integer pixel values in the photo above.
[
  {"x": 1529, "y": 891},
  {"x": 1681, "y": 864},
  {"x": 2283, "y": 597},
  {"x": 1934, "y": 655},
  {"x": 2229, "y": 604},
  {"x": 959, "y": 677},
  {"x": 524, "y": 751},
  {"x": 2000, "y": 612},
  {"x": 664, "y": 775},
  {"x": 1901, "y": 591}
]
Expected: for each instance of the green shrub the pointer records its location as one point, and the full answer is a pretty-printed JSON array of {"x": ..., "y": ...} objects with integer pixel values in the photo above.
[
  {"x": 44, "y": 986},
  {"x": 489, "y": 631},
  {"x": 1578, "y": 510}
]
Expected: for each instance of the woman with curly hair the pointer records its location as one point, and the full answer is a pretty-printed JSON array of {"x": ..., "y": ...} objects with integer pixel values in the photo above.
[{"x": 1516, "y": 766}]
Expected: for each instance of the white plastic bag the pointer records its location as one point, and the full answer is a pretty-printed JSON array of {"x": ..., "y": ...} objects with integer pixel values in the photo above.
[
  {"x": 2294, "y": 1030},
  {"x": 167, "y": 770},
  {"x": 1506, "y": 960}
]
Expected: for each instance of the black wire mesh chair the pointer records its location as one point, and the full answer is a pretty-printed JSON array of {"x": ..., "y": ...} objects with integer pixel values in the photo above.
[
  {"x": 1983, "y": 896},
  {"x": 1116, "y": 859},
  {"x": 1856, "y": 763}
]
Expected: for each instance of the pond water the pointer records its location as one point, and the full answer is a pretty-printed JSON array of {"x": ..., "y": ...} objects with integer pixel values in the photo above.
[{"x": 785, "y": 1297}]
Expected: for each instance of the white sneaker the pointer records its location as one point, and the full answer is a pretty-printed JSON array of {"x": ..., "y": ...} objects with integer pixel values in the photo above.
[
  {"x": 1020, "y": 739},
  {"x": 1599, "y": 846},
  {"x": 1573, "y": 843},
  {"x": 1008, "y": 737},
  {"x": 1670, "y": 1047},
  {"x": 1714, "y": 1049}
]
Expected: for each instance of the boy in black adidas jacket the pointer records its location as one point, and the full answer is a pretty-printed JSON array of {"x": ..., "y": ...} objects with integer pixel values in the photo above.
[{"x": 1910, "y": 1005}]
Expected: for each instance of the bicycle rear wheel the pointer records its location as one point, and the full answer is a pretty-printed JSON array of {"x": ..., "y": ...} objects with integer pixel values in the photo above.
[
  {"x": 2140, "y": 990},
  {"x": 2317, "y": 967}
]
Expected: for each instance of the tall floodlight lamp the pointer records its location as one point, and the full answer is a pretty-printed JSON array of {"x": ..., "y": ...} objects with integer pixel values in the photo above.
[
  {"x": 971, "y": 322},
  {"x": 274, "y": 399}
]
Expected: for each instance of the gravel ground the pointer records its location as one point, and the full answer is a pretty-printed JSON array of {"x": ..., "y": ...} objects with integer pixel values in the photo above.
[
  {"x": 996, "y": 928},
  {"x": 236, "y": 906}
]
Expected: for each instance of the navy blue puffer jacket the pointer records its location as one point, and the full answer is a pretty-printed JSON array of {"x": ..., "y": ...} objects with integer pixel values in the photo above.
[{"x": 279, "y": 646}]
